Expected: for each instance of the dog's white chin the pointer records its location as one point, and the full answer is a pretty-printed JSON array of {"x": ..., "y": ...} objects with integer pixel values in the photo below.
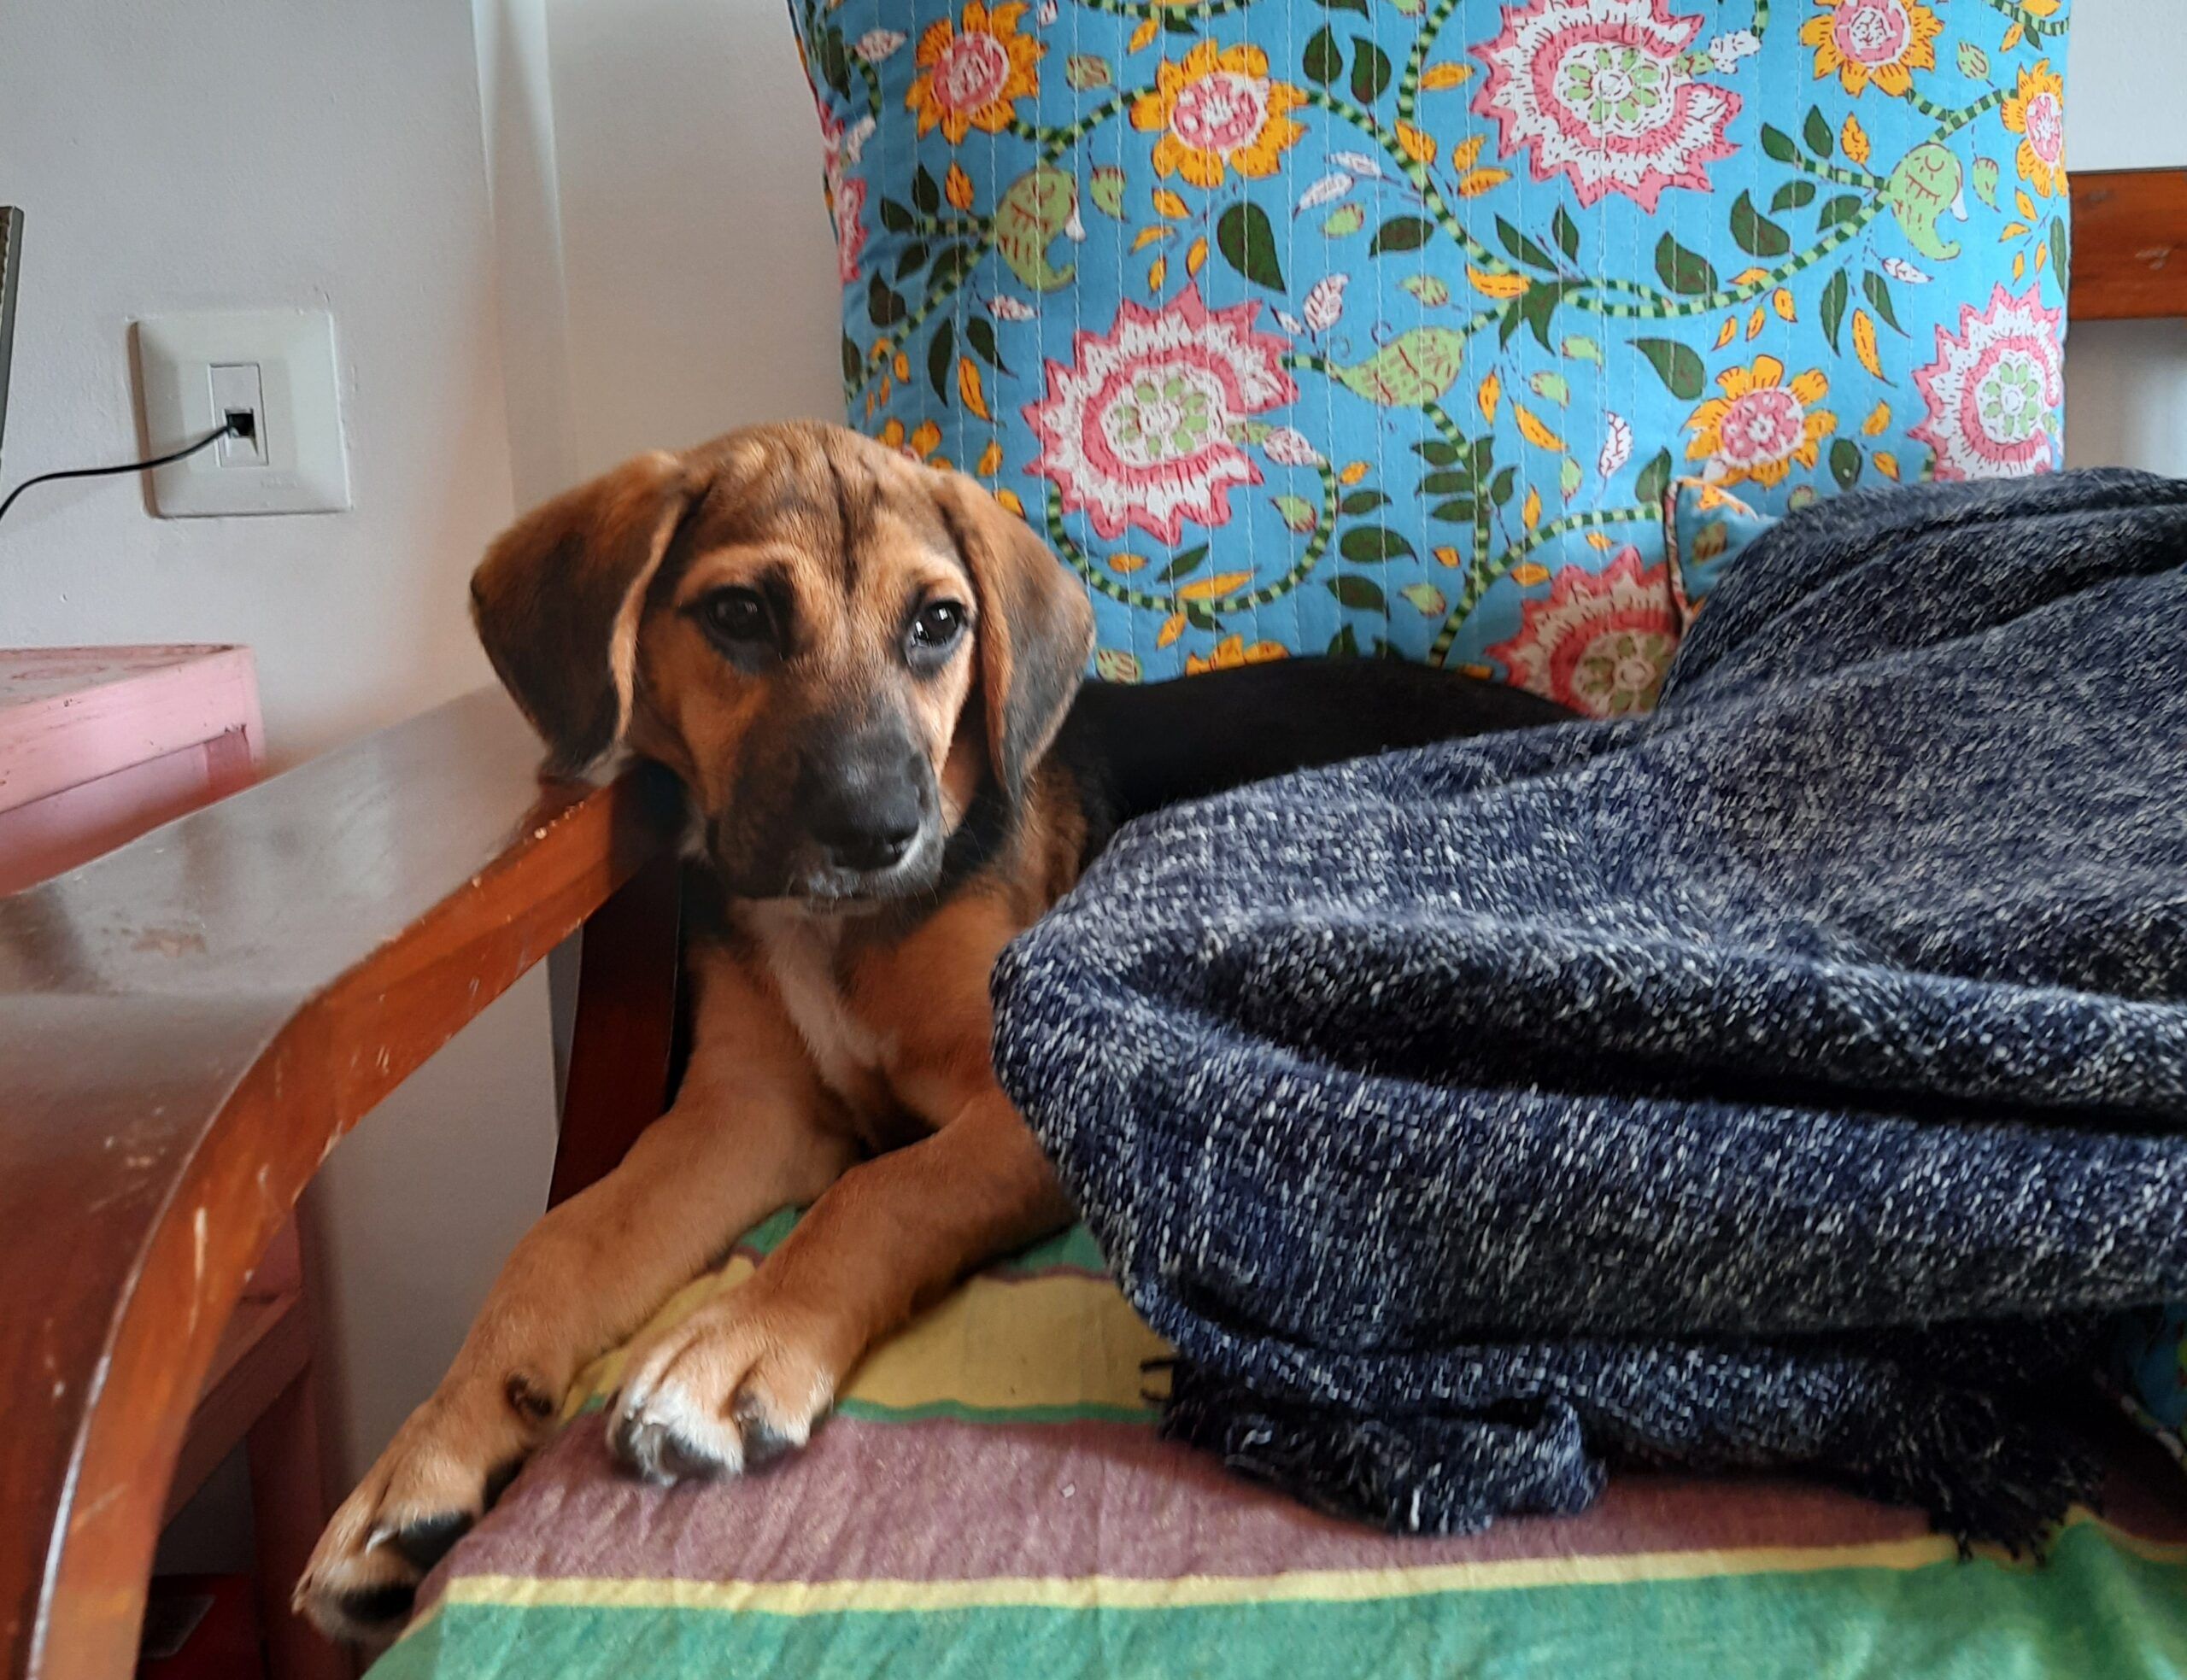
[{"x": 865, "y": 895}]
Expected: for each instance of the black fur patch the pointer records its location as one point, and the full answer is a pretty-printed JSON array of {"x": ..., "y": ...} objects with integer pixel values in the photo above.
[
  {"x": 378, "y": 1607},
  {"x": 425, "y": 1542}
]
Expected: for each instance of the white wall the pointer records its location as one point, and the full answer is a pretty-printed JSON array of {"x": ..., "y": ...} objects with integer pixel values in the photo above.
[
  {"x": 700, "y": 267},
  {"x": 290, "y": 152}
]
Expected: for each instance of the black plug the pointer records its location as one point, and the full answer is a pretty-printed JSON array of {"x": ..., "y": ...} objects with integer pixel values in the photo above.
[{"x": 242, "y": 423}]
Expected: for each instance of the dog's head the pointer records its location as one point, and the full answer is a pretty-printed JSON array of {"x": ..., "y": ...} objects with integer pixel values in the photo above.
[{"x": 838, "y": 650}]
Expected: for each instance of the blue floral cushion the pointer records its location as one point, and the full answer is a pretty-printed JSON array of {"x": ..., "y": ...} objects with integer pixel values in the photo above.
[
  {"x": 1385, "y": 325},
  {"x": 1705, "y": 528}
]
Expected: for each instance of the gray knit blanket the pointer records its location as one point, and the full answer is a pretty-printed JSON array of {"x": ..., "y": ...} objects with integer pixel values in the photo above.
[{"x": 1793, "y": 1077}]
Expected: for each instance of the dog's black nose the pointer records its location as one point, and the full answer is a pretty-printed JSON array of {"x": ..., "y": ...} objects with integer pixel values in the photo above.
[
  {"x": 865, "y": 810},
  {"x": 866, "y": 840}
]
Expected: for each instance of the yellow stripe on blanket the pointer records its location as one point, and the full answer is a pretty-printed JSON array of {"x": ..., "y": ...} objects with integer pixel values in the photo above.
[
  {"x": 1062, "y": 1344},
  {"x": 1116, "y": 1592},
  {"x": 1119, "y": 1592}
]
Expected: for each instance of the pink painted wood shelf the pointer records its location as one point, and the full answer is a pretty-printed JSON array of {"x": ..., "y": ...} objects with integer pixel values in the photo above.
[{"x": 98, "y": 744}]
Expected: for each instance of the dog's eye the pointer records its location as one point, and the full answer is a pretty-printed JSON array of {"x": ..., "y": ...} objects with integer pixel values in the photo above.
[
  {"x": 736, "y": 615},
  {"x": 937, "y": 626}
]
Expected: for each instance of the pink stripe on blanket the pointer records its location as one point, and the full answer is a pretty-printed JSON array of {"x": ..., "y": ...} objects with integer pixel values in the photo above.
[{"x": 949, "y": 1501}]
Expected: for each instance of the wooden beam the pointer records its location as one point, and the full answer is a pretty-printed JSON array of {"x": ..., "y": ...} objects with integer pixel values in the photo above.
[{"x": 2129, "y": 258}]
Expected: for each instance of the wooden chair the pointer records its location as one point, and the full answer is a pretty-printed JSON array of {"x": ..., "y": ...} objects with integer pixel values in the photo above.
[{"x": 188, "y": 1025}]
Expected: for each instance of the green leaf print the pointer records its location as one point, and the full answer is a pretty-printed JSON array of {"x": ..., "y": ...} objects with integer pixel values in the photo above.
[
  {"x": 1835, "y": 296},
  {"x": 1371, "y": 545},
  {"x": 1878, "y": 294},
  {"x": 1400, "y": 233},
  {"x": 1371, "y": 71},
  {"x": 941, "y": 358},
  {"x": 1426, "y": 598},
  {"x": 1567, "y": 232},
  {"x": 1247, "y": 242},
  {"x": 1414, "y": 367},
  {"x": 1185, "y": 565},
  {"x": 1816, "y": 132},
  {"x": 979, "y": 334},
  {"x": 1522, "y": 248},
  {"x": 1684, "y": 270},
  {"x": 1757, "y": 235},
  {"x": 1677, "y": 364},
  {"x": 883, "y": 307},
  {"x": 1842, "y": 208},
  {"x": 1323, "y": 60}
]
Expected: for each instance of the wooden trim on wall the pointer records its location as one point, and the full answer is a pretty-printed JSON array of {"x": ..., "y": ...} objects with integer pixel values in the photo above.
[{"x": 2129, "y": 258}]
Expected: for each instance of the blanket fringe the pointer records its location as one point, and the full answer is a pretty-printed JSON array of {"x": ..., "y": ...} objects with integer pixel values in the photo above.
[{"x": 1983, "y": 1477}]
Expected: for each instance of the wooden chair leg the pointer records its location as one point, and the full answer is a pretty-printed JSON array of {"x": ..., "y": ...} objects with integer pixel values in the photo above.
[
  {"x": 623, "y": 1039},
  {"x": 288, "y": 1509}
]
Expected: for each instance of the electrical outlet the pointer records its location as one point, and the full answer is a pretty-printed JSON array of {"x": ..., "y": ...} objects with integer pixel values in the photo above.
[
  {"x": 11, "y": 280},
  {"x": 270, "y": 372}
]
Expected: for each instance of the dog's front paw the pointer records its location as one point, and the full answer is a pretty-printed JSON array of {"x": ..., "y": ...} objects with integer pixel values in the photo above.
[
  {"x": 730, "y": 1389},
  {"x": 445, "y": 1467}
]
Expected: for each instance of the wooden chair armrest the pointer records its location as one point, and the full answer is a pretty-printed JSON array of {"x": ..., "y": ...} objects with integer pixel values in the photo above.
[{"x": 187, "y": 1024}]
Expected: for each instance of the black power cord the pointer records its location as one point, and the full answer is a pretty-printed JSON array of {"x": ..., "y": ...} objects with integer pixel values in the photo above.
[{"x": 231, "y": 430}]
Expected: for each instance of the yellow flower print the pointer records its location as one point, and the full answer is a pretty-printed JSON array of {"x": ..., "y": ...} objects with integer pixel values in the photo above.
[
  {"x": 1216, "y": 109},
  {"x": 2035, "y": 111},
  {"x": 970, "y": 74},
  {"x": 920, "y": 444},
  {"x": 1761, "y": 426},
  {"x": 1879, "y": 41},
  {"x": 1232, "y": 651}
]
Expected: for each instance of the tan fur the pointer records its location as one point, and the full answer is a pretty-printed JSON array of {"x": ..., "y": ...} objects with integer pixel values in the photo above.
[{"x": 842, "y": 1061}]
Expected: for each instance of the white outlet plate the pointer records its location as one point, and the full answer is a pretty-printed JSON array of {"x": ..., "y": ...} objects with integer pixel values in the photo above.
[{"x": 299, "y": 465}]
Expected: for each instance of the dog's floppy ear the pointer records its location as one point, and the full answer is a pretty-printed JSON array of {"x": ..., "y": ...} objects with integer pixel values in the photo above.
[
  {"x": 1036, "y": 627},
  {"x": 557, "y": 600}
]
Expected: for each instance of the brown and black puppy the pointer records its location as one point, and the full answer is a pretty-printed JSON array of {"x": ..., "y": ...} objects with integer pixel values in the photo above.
[{"x": 863, "y": 672}]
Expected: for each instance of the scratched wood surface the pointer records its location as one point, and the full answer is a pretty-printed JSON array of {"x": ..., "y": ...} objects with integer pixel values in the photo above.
[
  {"x": 2129, "y": 244},
  {"x": 186, "y": 1025}
]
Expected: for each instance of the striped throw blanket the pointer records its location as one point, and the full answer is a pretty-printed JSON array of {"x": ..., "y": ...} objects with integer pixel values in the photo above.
[{"x": 992, "y": 1499}]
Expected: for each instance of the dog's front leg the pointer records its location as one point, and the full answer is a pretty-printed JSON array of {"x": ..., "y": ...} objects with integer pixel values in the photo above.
[
  {"x": 741, "y": 1141},
  {"x": 745, "y": 1378}
]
